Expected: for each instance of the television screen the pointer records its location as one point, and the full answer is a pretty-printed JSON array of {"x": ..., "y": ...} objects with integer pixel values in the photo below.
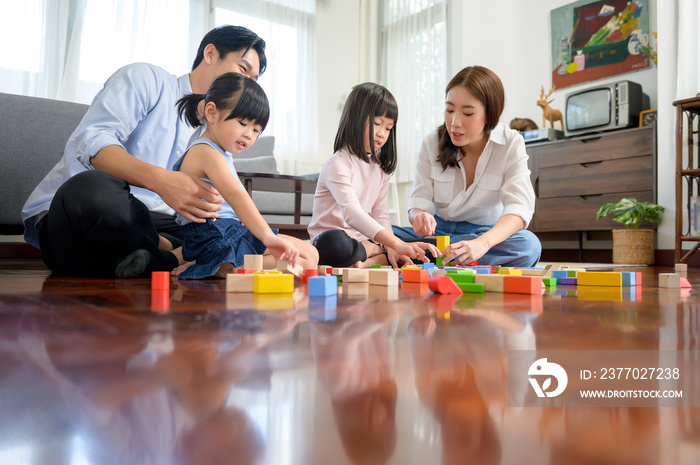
[{"x": 588, "y": 109}]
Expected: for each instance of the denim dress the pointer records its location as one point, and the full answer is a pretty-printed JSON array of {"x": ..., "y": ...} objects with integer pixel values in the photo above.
[{"x": 218, "y": 241}]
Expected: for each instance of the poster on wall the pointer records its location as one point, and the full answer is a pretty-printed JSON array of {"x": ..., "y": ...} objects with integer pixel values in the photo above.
[{"x": 593, "y": 39}]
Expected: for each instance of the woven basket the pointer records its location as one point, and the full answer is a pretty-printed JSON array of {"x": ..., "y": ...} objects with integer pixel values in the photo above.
[{"x": 633, "y": 246}]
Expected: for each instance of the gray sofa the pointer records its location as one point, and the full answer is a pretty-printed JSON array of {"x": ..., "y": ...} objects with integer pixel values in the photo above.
[{"x": 33, "y": 139}]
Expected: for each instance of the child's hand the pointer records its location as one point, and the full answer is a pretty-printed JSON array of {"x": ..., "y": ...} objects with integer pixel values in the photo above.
[
  {"x": 282, "y": 249},
  {"x": 417, "y": 250}
]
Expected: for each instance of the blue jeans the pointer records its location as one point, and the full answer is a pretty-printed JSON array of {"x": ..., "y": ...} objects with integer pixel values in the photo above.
[{"x": 522, "y": 249}]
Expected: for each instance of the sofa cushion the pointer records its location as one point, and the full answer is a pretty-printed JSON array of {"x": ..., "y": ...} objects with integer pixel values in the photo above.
[{"x": 32, "y": 140}]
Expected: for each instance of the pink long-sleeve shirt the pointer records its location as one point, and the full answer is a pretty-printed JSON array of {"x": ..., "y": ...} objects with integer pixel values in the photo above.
[{"x": 350, "y": 195}]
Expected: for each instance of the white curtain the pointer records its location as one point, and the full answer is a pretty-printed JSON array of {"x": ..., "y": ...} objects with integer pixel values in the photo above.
[
  {"x": 688, "y": 81},
  {"x": 66, "y": 49},
  {"x": 289, "y": 30},
  {"x": 413, "y": 67}
]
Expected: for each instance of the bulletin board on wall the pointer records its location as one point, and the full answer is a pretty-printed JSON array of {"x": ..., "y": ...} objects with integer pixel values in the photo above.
[{"x": 593, "y": 39}]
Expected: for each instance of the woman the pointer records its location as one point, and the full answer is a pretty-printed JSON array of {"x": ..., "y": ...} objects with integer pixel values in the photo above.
[{"x": 472, "y": 182}]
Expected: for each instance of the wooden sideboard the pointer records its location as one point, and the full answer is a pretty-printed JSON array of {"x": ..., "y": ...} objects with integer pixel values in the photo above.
[
  {"x": 574, "y": 177},
  {"x": 687, "y": 173}
]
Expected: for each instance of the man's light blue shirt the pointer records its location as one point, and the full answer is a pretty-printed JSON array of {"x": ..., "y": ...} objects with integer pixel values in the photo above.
[{"x": 136, "y": 110}]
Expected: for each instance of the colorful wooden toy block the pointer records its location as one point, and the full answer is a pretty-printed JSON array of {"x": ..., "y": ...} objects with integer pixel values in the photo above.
[
  {"x": 522, "y": 284},
  {"x": 629, "y": 278},
  {"x": 599, "y": 278},
  {"x": 443, "y": 285},
  {"x": 309, "y": 273},
  {"x": 324, "y": 270},
  {"x": 670, "y": 280},
  {"x": 415, "y": 276},
  {"x": 685, "y": 284},
  {"x": 322, "y": 286},
  {"x": 549, "y": 282},
  {"x": 239, "y": 282},
  {"x": 245, "y": 271},
  {"x": 568, "y": 281},
  {"x": 442, "y": 242},
  {"x": 472, "y": 288},
  {"x": 510, "y": 272},
  {"x": 269, "y": 283},
  {"x": 253, "y": 262},
  {"x": 160, "y": 280},
  {"x": 384, "y": 277}
]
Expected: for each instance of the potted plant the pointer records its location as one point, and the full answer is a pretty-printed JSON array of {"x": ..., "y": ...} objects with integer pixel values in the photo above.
[{"x": 632, "y": 245}]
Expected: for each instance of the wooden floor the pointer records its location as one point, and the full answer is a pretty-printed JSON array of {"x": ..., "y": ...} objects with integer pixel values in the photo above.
[{"x": 102, "y": 371}]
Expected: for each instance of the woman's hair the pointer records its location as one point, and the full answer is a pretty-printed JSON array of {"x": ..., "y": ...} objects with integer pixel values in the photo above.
[
  {"x": 231, "y": 91},
  {"x": 366, "y": 102},
  {"x": 488, "y": 89}
]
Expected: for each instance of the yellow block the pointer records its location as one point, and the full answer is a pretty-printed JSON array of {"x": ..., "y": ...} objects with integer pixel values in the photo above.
[
  {"x": 599, "y": 278},
  {"x": 273, "y": 283},
  {"x": 510, "y": 272},
  {"x": 443, "y": 242}
]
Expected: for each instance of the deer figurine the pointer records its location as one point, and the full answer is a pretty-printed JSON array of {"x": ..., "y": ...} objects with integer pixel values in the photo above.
[{"x": 549, "y": 113}]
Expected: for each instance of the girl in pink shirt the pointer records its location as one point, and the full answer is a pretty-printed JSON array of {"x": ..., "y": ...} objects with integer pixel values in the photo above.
[{"x": 350, "y": 224}]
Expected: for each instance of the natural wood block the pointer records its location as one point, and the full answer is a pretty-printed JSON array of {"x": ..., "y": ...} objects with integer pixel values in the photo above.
[
  {"x": 355, "y": 275},
  {"x": 383, "y": 277},
  {"x": 239, "y": 282},
  {"x": 324, "y": 270},
  {"x": 253, "y": 262},
  {"x": 491, "y": 282},
  {"x": 682, "y": 269},
  {"x": 670, "y": 280},
  {"x": 285, "y": 267}
]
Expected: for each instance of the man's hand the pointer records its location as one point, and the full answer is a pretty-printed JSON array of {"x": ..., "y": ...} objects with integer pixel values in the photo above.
[
  {"x": 191, "y": 197},
  {"x": 424, "y": 224}
]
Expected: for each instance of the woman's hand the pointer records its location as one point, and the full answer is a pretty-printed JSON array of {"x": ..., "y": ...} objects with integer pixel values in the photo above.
[
  {"x": 464, "y": 252},
  {"x": 424, "y": 224},
  {"x": 282, "y": 249}
]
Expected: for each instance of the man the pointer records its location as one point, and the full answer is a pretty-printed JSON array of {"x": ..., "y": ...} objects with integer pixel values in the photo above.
[{"x": 107, "y": 208}]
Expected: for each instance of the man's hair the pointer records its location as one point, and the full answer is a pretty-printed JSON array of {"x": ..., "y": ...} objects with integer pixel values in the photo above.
[{"x": 228, "y": 39}]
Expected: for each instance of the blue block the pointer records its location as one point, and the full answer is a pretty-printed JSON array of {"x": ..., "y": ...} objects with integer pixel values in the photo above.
[
  {"x": 427, "y": 266},
  {"x": 322, "y": 286},
  {"x": 629, "y": 278},
  {"x": 559, "y": 274}
]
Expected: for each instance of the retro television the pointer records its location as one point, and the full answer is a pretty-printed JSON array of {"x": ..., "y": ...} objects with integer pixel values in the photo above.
[{"x": 605, "y": 107}]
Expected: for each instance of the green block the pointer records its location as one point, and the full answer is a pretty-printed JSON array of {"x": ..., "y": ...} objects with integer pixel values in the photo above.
[
  {"x": 462, "y": 278},
  {"x": 456, "y": 272},
  {"x": 376, "y": 266},
  {"x": 549, "y": 281},
  {"x": 438, "y": 261},
  {"x": 476, "y": 288},
  {"x": 570, "y": 273}
]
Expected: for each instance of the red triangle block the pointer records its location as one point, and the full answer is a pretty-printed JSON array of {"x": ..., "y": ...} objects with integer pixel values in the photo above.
[
  {"x": 443, "y": 285},
  {"x": 685, "y": 284}
]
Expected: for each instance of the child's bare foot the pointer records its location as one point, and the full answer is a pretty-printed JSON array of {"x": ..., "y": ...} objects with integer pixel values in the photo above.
[{"x": 181, "y": 268}]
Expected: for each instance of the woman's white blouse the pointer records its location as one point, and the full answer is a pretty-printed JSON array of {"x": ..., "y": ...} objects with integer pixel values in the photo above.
[{"x": 501, "y": 184}]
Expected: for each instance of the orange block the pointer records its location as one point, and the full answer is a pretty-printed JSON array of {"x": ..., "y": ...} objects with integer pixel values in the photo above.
[
  {"x": 245, "y": 271},
  {"x": 443, "y": 285},
  {"x": 416, "y": 276},
  {"x": 522, "y": 284},
  {"x": 309, "y": 273},
  {"x": 160, "y": 280}
]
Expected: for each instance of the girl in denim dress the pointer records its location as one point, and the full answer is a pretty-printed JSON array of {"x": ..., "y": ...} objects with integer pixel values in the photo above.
[{"x": 236, "y": 110}]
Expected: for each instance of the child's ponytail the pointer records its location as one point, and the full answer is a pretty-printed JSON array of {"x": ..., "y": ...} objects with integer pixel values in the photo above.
[{"x": 187, "y": 107}]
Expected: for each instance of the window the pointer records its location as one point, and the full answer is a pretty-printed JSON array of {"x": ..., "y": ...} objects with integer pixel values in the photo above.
[
  {"x": 288, "y": 27},
  {"x": 413, "y": 63}
]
